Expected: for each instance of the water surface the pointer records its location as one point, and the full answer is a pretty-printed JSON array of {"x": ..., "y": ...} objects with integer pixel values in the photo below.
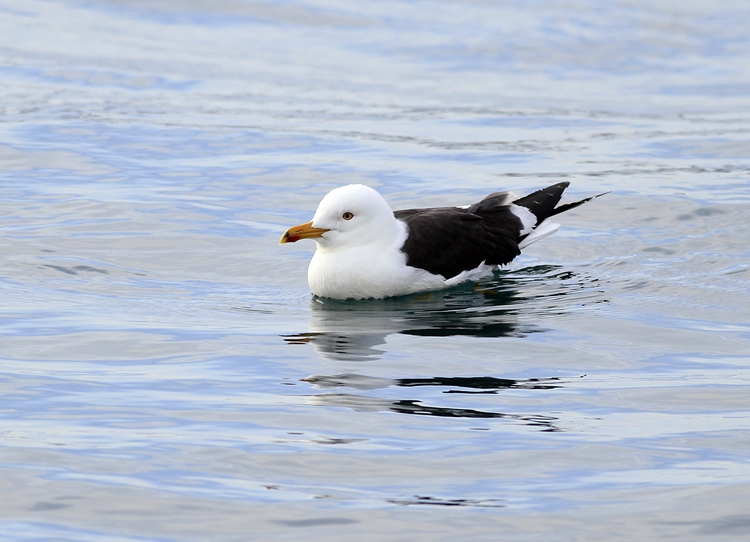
[{"x": 166, "y": 374}]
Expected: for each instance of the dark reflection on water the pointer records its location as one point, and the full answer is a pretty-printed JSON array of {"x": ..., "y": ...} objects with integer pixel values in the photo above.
[
  {"x": 434, "y": 501},
  {"x": 505, "y": 304},
  {"x": 361, "y": 403},
  {"x": 487, "y": 385}
]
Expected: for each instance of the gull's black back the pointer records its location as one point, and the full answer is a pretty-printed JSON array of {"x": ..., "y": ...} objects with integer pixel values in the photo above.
[{"x": 449, "y": 240}]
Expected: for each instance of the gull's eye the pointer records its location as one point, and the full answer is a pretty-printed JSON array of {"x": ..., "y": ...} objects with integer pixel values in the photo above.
[{"x": 347, "y": 216}]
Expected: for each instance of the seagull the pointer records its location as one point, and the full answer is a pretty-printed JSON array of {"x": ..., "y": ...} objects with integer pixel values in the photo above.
[{"x": 366, "y": 250}]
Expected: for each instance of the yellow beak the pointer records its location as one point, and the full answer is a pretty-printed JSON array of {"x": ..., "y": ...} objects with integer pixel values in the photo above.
[{"x": 303, "y": 231}]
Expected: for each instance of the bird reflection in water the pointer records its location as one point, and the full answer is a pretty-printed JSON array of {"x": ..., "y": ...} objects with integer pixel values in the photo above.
[
  {"x": 483, "y": 385},
  {"x": 507, "y": 304}
]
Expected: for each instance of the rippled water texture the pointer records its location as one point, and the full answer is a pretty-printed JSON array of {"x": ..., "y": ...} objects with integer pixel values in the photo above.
[{"x": 166, "y": 374}]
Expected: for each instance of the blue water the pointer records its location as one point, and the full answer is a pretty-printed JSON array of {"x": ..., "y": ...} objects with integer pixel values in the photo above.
[{"x": 166, "y": 374}]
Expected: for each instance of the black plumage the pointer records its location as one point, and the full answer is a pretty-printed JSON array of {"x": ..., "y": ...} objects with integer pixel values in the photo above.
[{"x": 449, "y": 240}]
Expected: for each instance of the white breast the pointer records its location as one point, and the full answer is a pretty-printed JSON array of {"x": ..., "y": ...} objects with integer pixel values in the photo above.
[{"x": 373, "y": 270}]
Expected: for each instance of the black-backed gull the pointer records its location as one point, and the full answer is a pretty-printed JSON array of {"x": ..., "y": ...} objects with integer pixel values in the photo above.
[{"x": 366, "y": 250}]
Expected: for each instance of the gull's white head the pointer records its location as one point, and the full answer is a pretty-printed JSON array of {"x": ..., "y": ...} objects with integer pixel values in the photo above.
[{"x": 348, "y": 216}]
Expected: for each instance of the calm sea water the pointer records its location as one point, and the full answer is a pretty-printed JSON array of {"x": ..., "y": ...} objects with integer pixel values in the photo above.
[{"x": 166, "y": 374}]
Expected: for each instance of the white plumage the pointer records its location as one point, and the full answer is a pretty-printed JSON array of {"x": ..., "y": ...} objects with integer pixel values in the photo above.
[{"x": 361, "y": 257}]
